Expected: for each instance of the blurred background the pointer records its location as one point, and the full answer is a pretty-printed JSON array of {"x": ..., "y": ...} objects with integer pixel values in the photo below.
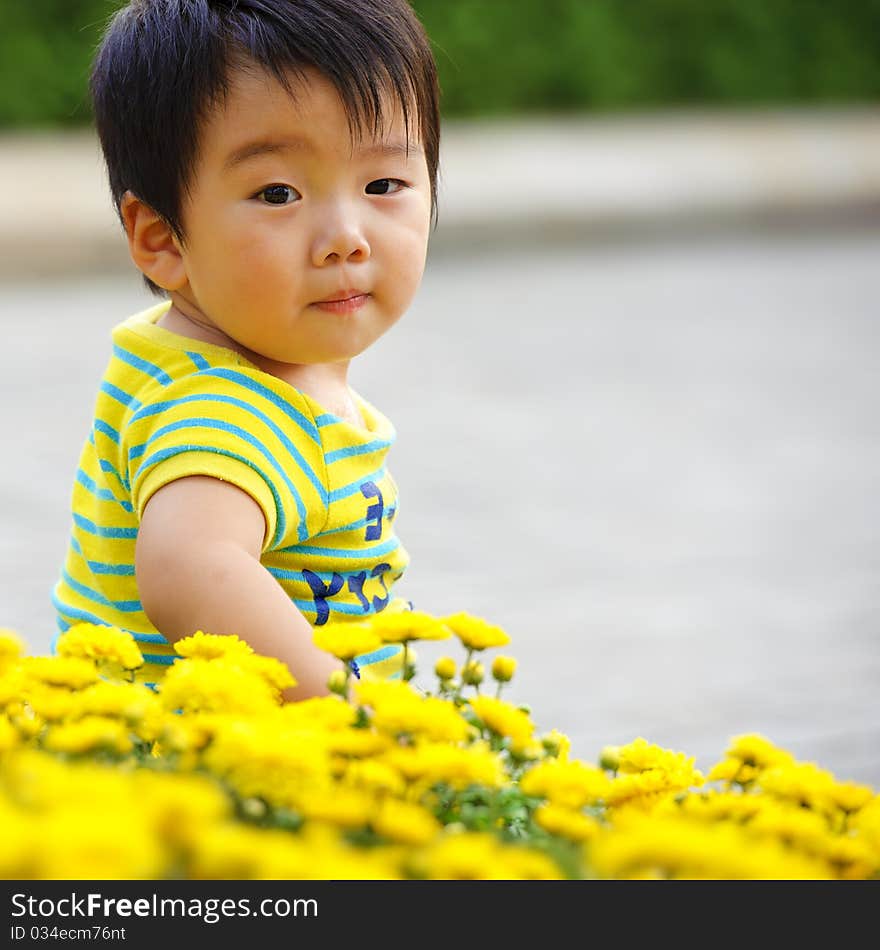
[{"x": 636, "y": 396}]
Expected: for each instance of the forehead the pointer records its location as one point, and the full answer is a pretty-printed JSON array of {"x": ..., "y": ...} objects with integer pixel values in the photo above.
[{"x": 306, "y": 111}]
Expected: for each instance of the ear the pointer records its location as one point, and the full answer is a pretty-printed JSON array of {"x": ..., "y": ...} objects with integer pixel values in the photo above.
[{"x": 151, "y": 243}]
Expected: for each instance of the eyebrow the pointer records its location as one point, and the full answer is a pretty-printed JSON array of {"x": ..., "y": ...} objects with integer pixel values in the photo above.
[{"x": 271, "y": 146}]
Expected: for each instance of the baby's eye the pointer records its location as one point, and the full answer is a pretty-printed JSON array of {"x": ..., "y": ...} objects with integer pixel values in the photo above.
[
  {"x": 278, "y": 194},
  {"x": 385, "y": 186}
]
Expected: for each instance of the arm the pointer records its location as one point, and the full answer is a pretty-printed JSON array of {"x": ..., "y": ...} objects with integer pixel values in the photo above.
[{"x": 197, "y": 563}]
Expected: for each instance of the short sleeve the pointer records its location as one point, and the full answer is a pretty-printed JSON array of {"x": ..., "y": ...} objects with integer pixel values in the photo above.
[{"x": 230, "y": 424}]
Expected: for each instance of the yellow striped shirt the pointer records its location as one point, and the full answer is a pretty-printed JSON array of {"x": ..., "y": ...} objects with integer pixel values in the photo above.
[{"x": 169, "y": 406}]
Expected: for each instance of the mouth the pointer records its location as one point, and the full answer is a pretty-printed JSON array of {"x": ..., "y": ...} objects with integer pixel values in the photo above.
[{"x": 346, "y": 301}]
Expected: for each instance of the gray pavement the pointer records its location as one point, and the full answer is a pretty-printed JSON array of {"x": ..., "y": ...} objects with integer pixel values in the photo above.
[{"x": 653, "y": 460}]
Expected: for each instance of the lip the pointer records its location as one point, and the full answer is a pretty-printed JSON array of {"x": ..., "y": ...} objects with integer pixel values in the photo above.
[{"x": 343, "y": 301}]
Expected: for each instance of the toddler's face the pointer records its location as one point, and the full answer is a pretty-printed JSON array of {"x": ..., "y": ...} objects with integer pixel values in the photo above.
[{"x": 288, "y": 214}]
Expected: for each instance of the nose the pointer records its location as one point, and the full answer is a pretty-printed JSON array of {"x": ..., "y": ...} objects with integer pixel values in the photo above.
[{"x": 340, "y": 238}]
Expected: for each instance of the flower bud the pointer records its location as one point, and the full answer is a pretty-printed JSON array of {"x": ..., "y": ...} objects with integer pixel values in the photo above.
[
  {"x": 503, "y": 668},
  {"x": 338, "y": 682},
  {"x": 254, "y": 808},
  {"x": 472, "y": 673},
  {"x": 445, "y": 668},
  {"x": 556, "y": 743},
  {"x": 609, "y": 757}
]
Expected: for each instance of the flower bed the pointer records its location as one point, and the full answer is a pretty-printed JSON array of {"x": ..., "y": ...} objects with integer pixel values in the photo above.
[{"x": 212, "y": 777}]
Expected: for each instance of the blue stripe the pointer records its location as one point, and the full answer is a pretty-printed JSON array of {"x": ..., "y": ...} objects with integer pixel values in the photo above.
[
  {"x": 116, "y": 393},
  {"x": 353, "y": 487},
  {"x": 149, "y": 637},
  {"x": 158, "y": 407},
  {"x": 383, "y": 653},
  {"x": 253, "y": 386},
  {"x": 375, "y": 446},
  {"x": 125, "y": 606},
  {"x": 100, "y": 531},
  {"x": 281, "y": 525},
  {"x": 336, "y": 607},
  {"x": 101, "y": 567},
  {"x": 142, "y": 365},
  {"x": 245, "y": 436},
  {"x": 108, "y": 469},
  {"x": 105, "y": 429},
  {"x": 375, "y": 550},
  {"x": 82, "y": 615},
  {"x": 198, "y": 360},
  {"x": 327, "y": 419},
  {"x": 159, "y": 659},
  {"x": 103, "y": 493},
  {"x": 283, "y": 574},
  {"x": 75, "y": 614},
  {"x": 355, "y": 525}
]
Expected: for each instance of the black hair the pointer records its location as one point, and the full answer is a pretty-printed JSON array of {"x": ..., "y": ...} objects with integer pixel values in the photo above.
[{"x": 162, "y": 65}]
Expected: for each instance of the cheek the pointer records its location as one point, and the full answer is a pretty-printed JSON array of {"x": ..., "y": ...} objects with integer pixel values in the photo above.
[{"x": 406, "y": 250}]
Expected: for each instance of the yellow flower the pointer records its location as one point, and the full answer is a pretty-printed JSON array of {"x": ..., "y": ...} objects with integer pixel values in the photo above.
[
  {"x": 347, "y": 640},
  {"x": 322, "y": 712},
  {"x": 89, "y": 734},
  {"x": 11, "y": 647},
  {"x": 565, "y": 822},
  {"x": 9, "y": 737},
  {"x": 406, "y": 625},
  {"x": 641, "y": 755},
  {"x": 397, "y": 709},
  {"x": 356, "y": 743},
  {"x": 101, "y": 643},
  {"x": 211, "y": 646},
  {"x": 276, "y": 674},
  {"x": 374, "y": 776},
  {"x": 12, "y": 684},
  {"x": 51, "y": 703},
  {"x": 803, "y": 783},
  {"x": 178, "y": 806},
  {"x": 441, "y": 721},
  {"x": 215, "y": 686},
  {"x": 732, "y": 770},
  {"x": 570, "y": 783},
  {"x": 404, "y": 822},
  {"x": 479, "y": 856},
  {"x": 262, "y": 756},
  {"x": 394, "y": 701},
  {"x": 73, "y": 672},
  {"x": 228, "y": 850},
  {"x": 504, "y": 719},
  {"x": 679, "y": 848},
  {"x": 794, "y": 826},
  {"x": 474, "y": 632},
  {"x": 643, "y": 789},
  {"x": 503, "y": 668},
  {"x": 429, "y": 763},
  {"x": 135, "y": 703},
  {"x": 851, "y": 858},
  {"x": 850, "y": 796},
  {"x": 720, "y": 806},
  {"x": 757, "y": 751},
  {"x": 335, "y": 804},
  {"x": 445, "y": 668},
  {"x": 98, "y": 840}
]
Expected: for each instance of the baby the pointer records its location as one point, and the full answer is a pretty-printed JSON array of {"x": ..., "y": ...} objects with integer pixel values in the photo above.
[{"x": 274, "y": 165}]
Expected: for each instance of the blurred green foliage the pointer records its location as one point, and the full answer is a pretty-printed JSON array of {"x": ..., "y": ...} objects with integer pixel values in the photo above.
[{"x": 501, "y": 57}]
